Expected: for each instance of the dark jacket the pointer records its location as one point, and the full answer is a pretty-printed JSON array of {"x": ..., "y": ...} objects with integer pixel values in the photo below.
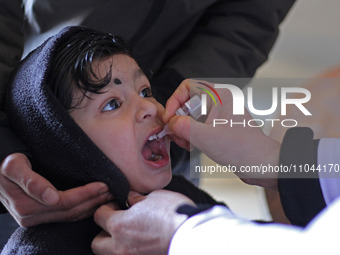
[{"x": 75, "y": 238}]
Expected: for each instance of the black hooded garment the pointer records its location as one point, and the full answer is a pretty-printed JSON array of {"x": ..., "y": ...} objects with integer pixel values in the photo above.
[{"x": 63, "y": 154}]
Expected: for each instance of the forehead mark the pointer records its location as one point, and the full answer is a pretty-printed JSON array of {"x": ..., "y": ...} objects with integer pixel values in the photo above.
[{"x": 117, "y": 81}]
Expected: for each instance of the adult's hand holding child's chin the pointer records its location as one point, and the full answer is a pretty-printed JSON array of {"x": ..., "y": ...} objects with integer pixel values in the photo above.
[
  {"x": 145, "y": 228},
  {"x": 32, "y": 200}
]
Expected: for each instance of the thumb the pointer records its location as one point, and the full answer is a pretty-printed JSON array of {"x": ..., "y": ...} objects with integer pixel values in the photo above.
[
  {"x": 180, "y": 127},
  {"x": 135, "y": 197},
  {"x": 18, "y": 169},
  {"x": 191, "y": 131}
]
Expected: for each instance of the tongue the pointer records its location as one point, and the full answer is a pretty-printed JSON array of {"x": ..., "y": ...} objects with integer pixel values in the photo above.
[
  {"x": 151, "y": 148},
  {"x": 146, "y": 152}
]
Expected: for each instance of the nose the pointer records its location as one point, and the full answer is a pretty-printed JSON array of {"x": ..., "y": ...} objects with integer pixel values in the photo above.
[{"x": 147, "y": 109}]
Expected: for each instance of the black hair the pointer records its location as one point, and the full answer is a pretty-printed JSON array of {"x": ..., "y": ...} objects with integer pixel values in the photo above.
[{"x": 72, "y": 64}]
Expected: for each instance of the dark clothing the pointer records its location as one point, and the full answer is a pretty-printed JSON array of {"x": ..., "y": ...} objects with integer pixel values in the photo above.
[
  {"x": 7, "y": 226},
  {"x": 300, "y": 193},
  {"x": 76, "y": 237},
  {"x": 62, "y": 152},
  {"x": 11, "y": 48},
  {"x": 212, "y": 38},
  {"x": 11, "y": 42}
]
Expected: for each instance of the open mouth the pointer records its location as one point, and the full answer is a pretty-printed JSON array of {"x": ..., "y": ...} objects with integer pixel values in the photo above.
[{"x": 155, "y": 150}]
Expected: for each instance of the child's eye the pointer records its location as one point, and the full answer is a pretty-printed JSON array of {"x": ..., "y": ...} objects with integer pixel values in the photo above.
[
  {"x": 146, "y": 92},
  {"x": 112, "y": 105}
]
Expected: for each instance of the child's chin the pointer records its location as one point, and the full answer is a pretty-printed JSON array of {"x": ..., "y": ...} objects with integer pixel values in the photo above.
[
  {"x": 159, "y": 184},
  {"x": 163, "y": 183},
  {"x": 167, "y": 181}
]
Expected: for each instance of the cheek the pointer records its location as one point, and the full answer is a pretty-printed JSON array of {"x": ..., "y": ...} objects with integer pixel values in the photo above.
[
  {"x": 125, "y": 161},
  {"x": 119, "y": 148},
  {"x": 115, "y": 141}
]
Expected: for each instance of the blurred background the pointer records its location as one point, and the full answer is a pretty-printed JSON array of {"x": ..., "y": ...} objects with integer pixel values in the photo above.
[{"x": 308, "y": 45}]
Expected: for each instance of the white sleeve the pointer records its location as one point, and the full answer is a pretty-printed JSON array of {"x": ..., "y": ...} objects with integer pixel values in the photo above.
[
  {"x": 329, "y": 163},
  {"x": 218, "y": 231}
]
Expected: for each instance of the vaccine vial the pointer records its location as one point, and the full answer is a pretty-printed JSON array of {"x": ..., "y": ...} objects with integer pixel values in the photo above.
[{"x": 191, "y": 107}]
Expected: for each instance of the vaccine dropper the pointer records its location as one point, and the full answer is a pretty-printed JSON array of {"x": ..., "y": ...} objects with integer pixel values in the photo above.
[{"x": 191, "y": 107}]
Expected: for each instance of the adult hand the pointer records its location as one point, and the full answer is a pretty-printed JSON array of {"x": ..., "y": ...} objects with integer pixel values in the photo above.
[
  {"x": 32, "y": 200},
  {"x": 146, "y": 228},
  {"x": 236, "y": 145}
]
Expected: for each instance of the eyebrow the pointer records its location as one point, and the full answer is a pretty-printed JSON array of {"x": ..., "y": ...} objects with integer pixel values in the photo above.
[{"x": 138, "y": 73}]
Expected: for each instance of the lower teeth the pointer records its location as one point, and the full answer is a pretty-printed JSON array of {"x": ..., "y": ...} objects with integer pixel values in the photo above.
[{"x": 155, "y": 158}]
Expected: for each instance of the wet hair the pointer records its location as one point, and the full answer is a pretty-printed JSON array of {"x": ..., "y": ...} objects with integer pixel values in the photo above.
[{"x": 72, "y": 64}]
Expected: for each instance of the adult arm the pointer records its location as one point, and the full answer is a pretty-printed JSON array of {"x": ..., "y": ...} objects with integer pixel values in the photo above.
[
  {"x": 146, "y": 228},
  {"x": 300, "y": 191},
  {"x": 227, "y": 144},
  {"x": 304, "y": 195},
  {"x": 218, "y": 231},
  {"x": 329, "y": 161},
  {"x": 149, "y": 225}
]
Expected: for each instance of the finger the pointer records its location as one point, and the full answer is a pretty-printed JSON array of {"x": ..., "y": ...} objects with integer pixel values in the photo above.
[
  {"x": 178, "y": 98},
  {"x": 102, "y": 243},
  {"x": 76, "y": 196},
  {"x": 182, "y": 143},
  {"x": 85, "y": 209},
  {"x": 18, "y": 203},
  {"x": 34, "y": 185},
  {"x": 105, "y": 215},
  {"x": 135, "y": 197},
  {"x": 190, "y": 131},
  {"x": 133, "y": 194},
  {"x": 42, "y": 215},
  {"x": 74, "y": 204},
  {"x": 112, "y": 205},
  {"x": 199, "y": 130},
  {"x": 180, "y": 127}
]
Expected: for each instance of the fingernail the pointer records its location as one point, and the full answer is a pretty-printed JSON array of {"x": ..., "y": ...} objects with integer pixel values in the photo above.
[
  {"x": 110, "y": 197},
  {"x": 133, "y": 194},
  {"x": 50, "y": 196},
  {"x": 103, "y": 190}
]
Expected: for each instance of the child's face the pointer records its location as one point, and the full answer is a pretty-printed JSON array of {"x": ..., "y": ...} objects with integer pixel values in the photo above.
[{"x": 121, "y": 120}]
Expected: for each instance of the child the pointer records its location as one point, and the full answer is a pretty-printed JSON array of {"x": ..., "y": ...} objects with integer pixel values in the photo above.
[{"x": 85, "y": 109}]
